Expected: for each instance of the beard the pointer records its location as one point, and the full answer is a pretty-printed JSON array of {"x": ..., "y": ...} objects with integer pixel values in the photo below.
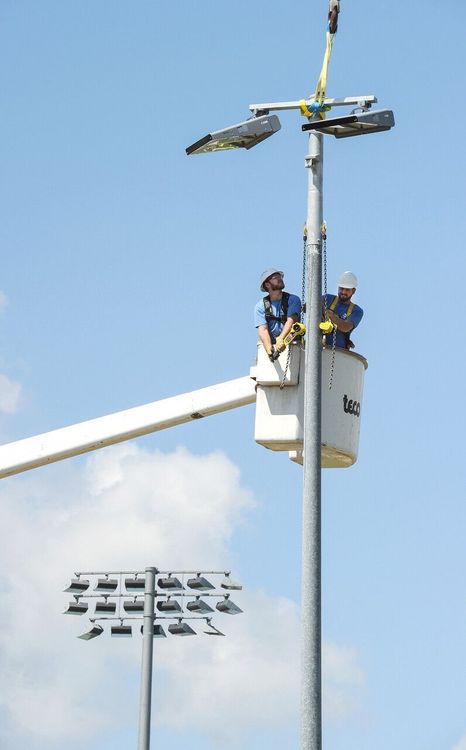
[{"x": 277, "y": 285}]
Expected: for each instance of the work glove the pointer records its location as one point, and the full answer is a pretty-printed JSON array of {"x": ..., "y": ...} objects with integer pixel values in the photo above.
[
  {"x": 279, "y": 345},
  {"x": 269, "y": 349}
]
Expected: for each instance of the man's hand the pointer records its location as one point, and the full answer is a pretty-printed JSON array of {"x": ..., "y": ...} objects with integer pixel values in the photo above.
[
  {"x": 269, "y": 349},
  {"x": 279, "y": 344}
]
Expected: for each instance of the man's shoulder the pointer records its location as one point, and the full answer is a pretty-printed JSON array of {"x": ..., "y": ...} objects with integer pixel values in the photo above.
[{"x": 293, "y": 297}]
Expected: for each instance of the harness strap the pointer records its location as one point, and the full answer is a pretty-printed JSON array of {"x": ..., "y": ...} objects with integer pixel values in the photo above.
[
  {"x": 350, "y": 310},
  {"x": 269, "y": 313},
  {"x": 335, "y": 302}
]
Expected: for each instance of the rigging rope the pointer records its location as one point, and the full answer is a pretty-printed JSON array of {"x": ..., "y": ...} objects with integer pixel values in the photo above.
[{"x": 317, "y": 106}]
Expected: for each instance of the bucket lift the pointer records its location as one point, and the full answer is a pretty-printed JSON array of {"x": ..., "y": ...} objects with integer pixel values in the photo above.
[
  {"x": 280, "y": 404},
  {"x": 278, "y": 423}
]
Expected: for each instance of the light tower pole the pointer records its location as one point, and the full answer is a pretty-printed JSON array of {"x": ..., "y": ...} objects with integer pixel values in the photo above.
[
  {"x": 147, "y": 660},
  {"x": 311, "y": 660}
]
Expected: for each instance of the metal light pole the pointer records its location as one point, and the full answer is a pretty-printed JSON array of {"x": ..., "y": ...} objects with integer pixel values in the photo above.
[
  {"x": 171, "y": 594},
  {"x": 311, "y": 671},
  {"x": 360, "y": 121},
  {"x": 147, "y": 657}
]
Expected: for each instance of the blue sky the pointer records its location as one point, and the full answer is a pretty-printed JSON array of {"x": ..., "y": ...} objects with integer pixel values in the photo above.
[{"x": 111, "y": 240}]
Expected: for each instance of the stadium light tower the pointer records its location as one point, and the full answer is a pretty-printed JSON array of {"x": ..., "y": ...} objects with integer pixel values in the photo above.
[
  {"x": 361, "y": 121},
  {"x": 171, "y": 593}
]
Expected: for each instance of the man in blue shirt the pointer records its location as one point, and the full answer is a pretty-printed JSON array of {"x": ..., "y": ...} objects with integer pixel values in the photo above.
[
  {"x": 276, "y": 312},
  {"x": 343, "y": 313}
]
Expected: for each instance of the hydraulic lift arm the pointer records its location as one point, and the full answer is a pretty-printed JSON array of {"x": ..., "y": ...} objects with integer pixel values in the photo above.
[{"x": 66, "y": 442}]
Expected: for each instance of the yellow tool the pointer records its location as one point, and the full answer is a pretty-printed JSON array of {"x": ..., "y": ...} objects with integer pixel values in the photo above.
[
  {"x": 326, "y": 327},
  {"x": 297, "y": 329}
]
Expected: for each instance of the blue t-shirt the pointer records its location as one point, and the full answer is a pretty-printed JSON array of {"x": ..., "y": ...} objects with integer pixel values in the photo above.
[
  {"x": 276, "y": 326},
  {"x": 341, "y": 310}
]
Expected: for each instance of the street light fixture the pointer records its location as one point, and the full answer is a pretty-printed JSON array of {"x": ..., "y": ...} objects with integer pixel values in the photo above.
[
  {"x": 360, "y": 121},
  {"x": 244, "y": 135},
  {"x": 172, "y": 600},
  {"x": 357, "y": 123}
]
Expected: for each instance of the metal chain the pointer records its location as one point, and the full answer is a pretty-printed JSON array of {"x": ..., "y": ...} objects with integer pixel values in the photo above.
[
  {"x": 323, "y": 232},
  {"x": 332, "y": 361},
  {"x": 303, "y": 280},
  {"x": 282, "y": 384}
]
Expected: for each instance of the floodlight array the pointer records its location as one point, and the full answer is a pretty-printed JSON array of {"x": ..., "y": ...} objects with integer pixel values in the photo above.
[{"x": 177, "y": 598}]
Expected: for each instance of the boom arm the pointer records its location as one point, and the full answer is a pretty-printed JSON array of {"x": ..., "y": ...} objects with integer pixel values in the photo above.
[{"x": 66, "y": 442}]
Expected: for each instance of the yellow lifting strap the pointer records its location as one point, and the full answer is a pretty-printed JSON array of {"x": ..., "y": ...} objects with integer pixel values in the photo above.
[
  {"x": 317, "y": 105},
  {"x": 321, "y": 87}
]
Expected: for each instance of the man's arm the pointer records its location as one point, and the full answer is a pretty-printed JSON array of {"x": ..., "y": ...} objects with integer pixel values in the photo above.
[
  {"x": 286, "y": 329},
  {"x": 264, "y": 336},
  {"x": 345, "y": 326}
]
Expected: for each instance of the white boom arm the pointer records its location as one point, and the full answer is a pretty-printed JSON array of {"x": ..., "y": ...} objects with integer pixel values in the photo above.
[{"x": 66, "y": 442}]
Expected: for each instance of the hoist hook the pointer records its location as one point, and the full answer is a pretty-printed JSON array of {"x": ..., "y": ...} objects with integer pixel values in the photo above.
[{"x": 333, "y": 11}]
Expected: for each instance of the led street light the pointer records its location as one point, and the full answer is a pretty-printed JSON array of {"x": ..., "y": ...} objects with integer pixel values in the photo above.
[
  {"x": 106, "y": 585},
  {"x": 244, "y": 135},
  {"x": 77, "y": 586},
  {"x": 197, "y": 605},
  {"x": 121, "y": 631},
  {"x": 168, "y": 605},
  {"x": 358, "y": 123},
  {"x": 228, "y": 607},
  {"x": 135, "y": 584},
  {"x": 105, "y": 608},
  {"x": 170, "y": 582},
  {"x": 133, "y": 608},
  {"x": 92, "y": 633},
  {"x": 227, "y": 583},
  {"x": 181, "y": 628},
  {"x": 200, "y": 583},
  {"x": 76, "y": 608}
]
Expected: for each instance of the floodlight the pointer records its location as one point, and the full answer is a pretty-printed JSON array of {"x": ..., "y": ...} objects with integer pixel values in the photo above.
[
  {"x": 76, "y": 608},
  {"x": 170, "y": 582},
  {"x": 213, "y": 630},
  {"x": 200, "y": 583},
  {"x": 181, "y": 628},
  {"x": 77, "y": 586},
  {"x": 243, "y": 135},
  {"x": 121, "y": 631},
  {"x": 228, "y": 607},
  {"x": 198, "y": 605},
  {"x": 106, "y": 585},
  {"x": 229, "y": 584},
  {"x": 92, "y": 633},
  {"x": 133, "y": 608},
  {"x": 135, "y": 584},
  {"x": 105, "y": 608},
  {"x": 159, "y": 632},
  {"x": 168, "y": 605},
  {"x": 357, "y": 123}
]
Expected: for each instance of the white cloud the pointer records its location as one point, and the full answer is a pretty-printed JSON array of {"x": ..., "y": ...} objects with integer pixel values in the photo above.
[
  {"x": 461, "y": 745},
  {"x": 127, "y": 508},
  {"x": 9, "y": 395},
  {"x": 3, "y": 300}
]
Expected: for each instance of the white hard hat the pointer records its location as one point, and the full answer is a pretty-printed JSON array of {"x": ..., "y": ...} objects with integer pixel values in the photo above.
[
  {"x": 266, "y": 275},
  {"x": 348, "y": 280}
]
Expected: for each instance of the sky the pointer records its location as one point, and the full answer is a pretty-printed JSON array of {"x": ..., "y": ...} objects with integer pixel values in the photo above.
[{"x": 129, "y": 274}]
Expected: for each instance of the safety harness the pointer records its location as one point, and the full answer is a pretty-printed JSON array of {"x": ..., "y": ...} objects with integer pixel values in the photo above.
[
  {"x": 269, "y": 313},
  {"x": 348, "y": 343}
]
